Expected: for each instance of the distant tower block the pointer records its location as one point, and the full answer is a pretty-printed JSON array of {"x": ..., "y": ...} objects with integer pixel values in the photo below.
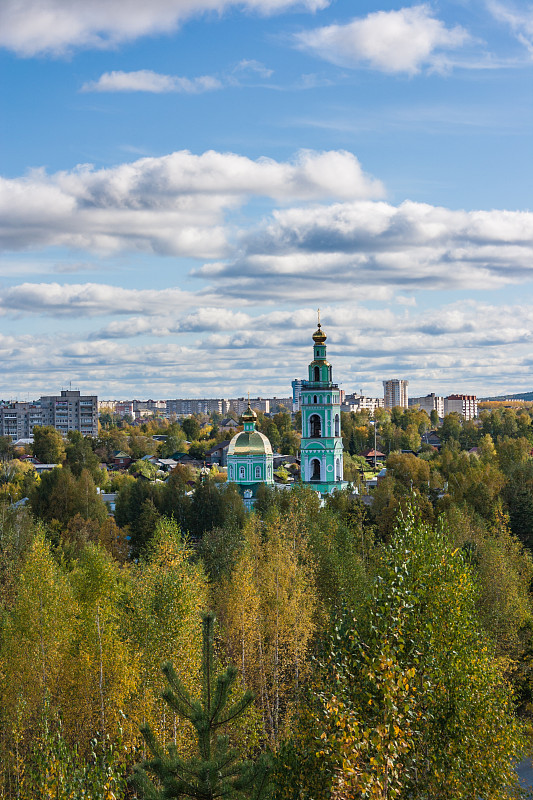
[{"x": 395, "y": 393}]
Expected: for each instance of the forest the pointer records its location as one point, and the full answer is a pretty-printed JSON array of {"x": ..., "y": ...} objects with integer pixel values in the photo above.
[{"x": 376, "y": 645}]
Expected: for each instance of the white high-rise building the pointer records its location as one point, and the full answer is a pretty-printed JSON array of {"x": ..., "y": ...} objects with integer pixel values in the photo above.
[{"x": 395, "y": 393}]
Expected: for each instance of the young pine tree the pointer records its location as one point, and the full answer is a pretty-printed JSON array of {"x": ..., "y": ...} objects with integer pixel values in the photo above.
[{"x": 216, "y": 772}]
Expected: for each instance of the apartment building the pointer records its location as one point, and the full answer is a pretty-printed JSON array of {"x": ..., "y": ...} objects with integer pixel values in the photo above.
[
  {"x": 296, "y": 384},
  {"x": 240, "y": 404},
  {"x": 428, "y": 403},
  {"x": 71, "y": 411},
  {"x": 463, "y": 404},
  {"x": 359, "y": 402},
  {"x": 186, "y": 407},
  {"x": 19, "y": 419},
  {"x": 395, "y": 393}
]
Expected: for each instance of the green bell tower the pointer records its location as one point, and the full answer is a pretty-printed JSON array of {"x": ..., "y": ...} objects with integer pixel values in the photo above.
[{"x": 321, "y": 445}]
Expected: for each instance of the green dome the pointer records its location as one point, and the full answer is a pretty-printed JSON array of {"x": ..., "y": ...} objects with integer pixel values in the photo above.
[{"x": 252, "y": 442}]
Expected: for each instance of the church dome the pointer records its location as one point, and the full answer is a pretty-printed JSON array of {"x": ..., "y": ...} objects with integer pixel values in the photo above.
[
  {"x": 319, "y": 337},
  {"x": 250, "y": 442},
  {"x": 249, "y": 415}
]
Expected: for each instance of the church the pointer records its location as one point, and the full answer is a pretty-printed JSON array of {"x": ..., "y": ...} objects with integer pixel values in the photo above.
[{"x": 250, "y": 460}]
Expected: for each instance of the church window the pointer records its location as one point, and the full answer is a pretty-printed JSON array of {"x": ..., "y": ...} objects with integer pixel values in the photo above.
[
  {"x": 241, "y": 472},
  {"x": 231, "y": 472},
  {"x": 315, "y": 426},
  {"x": 315, "y": 399},
  {"x": 317, "y": 374},
  {"x": 337, "y": 426},
  {"x": 315, "y": 469},
  {"x": 258, "y": 472},
  {"x": 338, "y": 469}
]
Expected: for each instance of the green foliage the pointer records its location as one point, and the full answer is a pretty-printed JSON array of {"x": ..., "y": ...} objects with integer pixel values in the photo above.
[
  {"x": 175, "y": 441},
  {"x": 198, "y": 449},
  {"x": 416, "y": 705},
  {"x": 168, "y": 593},
  {"x": 6, "y": 448},
  {"x": 59, "y": 495},
  {"x": 144, "y": 468},
  {"x": 80, "y": 455},
  {"x": 191, "y": 428},
  {"x": 56, "y": 771},
  {"x": 48, "y": 445},
  {"x": 216, "y": 770}
]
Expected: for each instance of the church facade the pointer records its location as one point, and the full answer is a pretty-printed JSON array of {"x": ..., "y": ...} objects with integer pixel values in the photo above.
[
  {"x": 321, "y": 450},
  {"x": 250, "y": 460}
]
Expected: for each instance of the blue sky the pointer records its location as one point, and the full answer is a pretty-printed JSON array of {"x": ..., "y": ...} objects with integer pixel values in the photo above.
[{"x": 184, "y": 182}]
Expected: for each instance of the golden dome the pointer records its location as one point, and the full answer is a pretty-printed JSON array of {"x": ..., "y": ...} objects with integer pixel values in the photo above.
[
  {"x": 319, "y": 337},
  {"x": 249, "y": 415}
]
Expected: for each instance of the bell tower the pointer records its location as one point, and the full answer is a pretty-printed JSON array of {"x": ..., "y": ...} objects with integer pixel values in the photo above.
[{"x": 321, "y": 445}]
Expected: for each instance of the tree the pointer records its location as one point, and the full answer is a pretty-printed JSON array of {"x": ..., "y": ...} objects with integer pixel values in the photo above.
[
  {"x": 267, "y": 609},
  {"x": 175, "y": 441},
  {"x": 48, "y": 445},
  {"x": 144, "y": 468},
  {"x": 6, "y": 448},
  {"x": 198, "y": 449},
  {"x": 100, "y": 671},
  {"x": 191, "y": 428},
  {"x": 451, "y": 427},
  {"x": 216, "y": 771},
  {"x": 416, "y": 704},
  {"x": 80, "y": 455},
  {"x": 60, "y": 496},
  {"x": 36, "y": 635},
  {"x": 169, "y": 592}
]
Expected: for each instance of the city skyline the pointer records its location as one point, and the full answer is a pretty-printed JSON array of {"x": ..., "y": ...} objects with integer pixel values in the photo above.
[{"x": 183, "y": 184}]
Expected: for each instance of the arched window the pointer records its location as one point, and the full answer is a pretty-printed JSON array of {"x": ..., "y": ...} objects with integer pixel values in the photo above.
[
  {"x": 242, "y": 473},
  {"x": 230, "y": 476},
  {"x": 315, "y": 426},
  {"x": 338, "y": 475},
  {"x": 258, "y": 472},
  {"x": 317, "y": 374},
  {"x": 315, "y": 399},
  {"x": 337, "y": 425},
  {"x": 315, "y": 469}
]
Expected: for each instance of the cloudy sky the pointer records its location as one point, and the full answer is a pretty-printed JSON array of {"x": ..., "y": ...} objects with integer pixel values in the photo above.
[{"x": 183, "y": 183}]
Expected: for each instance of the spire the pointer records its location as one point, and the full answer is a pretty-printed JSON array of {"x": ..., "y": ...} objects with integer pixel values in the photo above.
[{"x": 319, "y": 337}]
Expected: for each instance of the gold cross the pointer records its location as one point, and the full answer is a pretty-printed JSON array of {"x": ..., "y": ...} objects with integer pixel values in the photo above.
[{"x": 318, "y": 312}]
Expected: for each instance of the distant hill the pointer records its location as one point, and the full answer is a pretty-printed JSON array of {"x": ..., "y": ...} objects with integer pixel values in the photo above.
[{"x": 521, "y": 396}]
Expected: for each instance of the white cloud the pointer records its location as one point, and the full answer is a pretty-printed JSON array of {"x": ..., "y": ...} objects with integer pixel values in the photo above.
[
  {"x": 251, "y": 65},
  {"x": 454, "y": 347},
  {"x": 333, "y": 251},
  {"x": 93, "y": 299},
  {"x": 389, "y": 41},
  {"x": 520, "y": 21},
  {"x": 170, "y": 205},
  {"x": 33, "y": 27},
  {"x": 144, "y": 80}
]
